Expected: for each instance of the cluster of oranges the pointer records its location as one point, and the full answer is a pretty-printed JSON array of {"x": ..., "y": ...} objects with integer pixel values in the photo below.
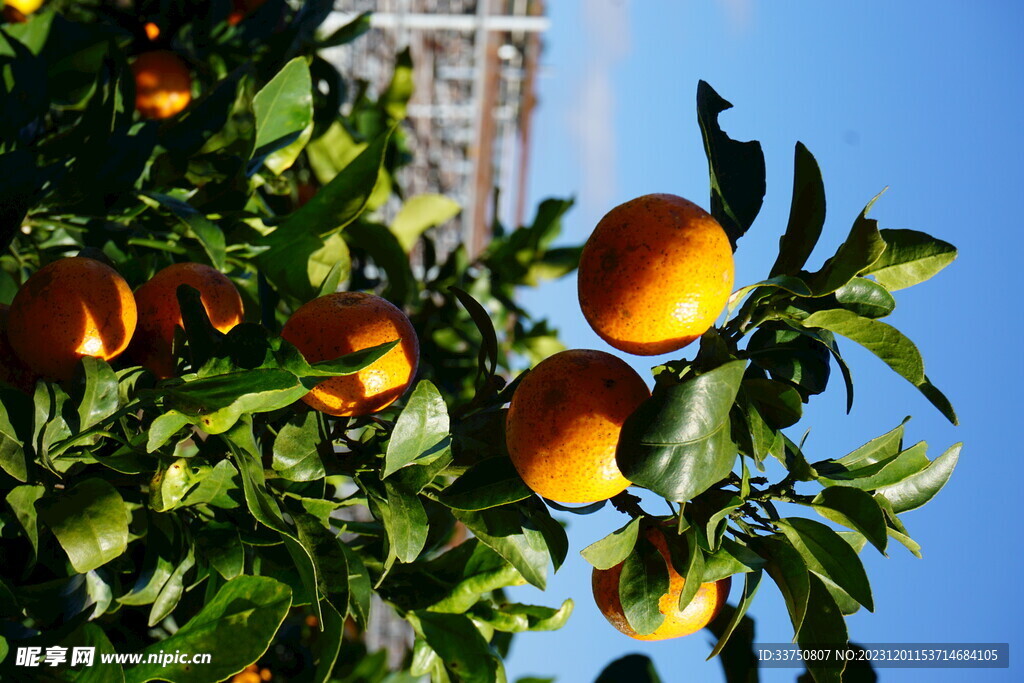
[
  {"x": 653, "y": 277},
  {"x": 78, "y": 306}
]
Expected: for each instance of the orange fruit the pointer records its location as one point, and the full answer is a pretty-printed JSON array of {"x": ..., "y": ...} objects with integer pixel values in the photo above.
[
  {"x": 17, "y": 11},
  {"x": 163, "y": 84},
  {"x": 68, "y": 309},
  {"x": 12, "y": 370},
  {"x": 344, "y": 322},
  {"x": 655, "y": 274},
  {"x": 564, "y": 421},
  {"x": 704, "y": 607},
  {"x": 240, "y": 8},
  {"x": 152, "y": 30},
  {"x": 159, "y": 313}
]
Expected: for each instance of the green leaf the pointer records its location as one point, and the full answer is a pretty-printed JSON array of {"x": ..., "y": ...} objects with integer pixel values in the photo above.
[
  {"x": 677, "y": 443},
  {"x": 737, "y": 168},
  {"x": 886, "y": 342},
  {"x": 866, "y": 298},
  {"x": 464, "y": 574},
  {"x": 806, "y": 214},
  {"x": 406, "y": 522},
  {"x": 220, "y": 545},
  {"x": 644, "y": 579},
  {"x": 22, "y": 500},
  {"x": 237, "y": 625},
  {"x": 778, "y": 403},
  {"x": 789, "y": 572},
  {"x": 790, "y": 356},
  {"x": 13, "y": 459},
  {"x": 887, "y": 472},
  {"x": 91, "y": 635},
  {"x": 855, "y": 509},
  {"x": 824, "y": 625},
  {"x": 347, "y": 33},
  {"x": 330, "y": 561},
  {"x": 751, "y": 582},
  {"x": 334, "y": 206},
  {"x": 910, "y": 257},
  {"x": 879, "y": 449},
  {"x": 829, "y": 556},
  {"x": 422, "y": 432},
  {"x": 420, "y": 213},
  {"x": 97, "y": 397},
  {"x": 396, "y": 96},
  {"x": 284, "y": 117},
  {"x": 862, "y": 248},
  {"x": 694, "y": 574},
  {"x": 90, "y": 521},
  {"x": 916, "y": 490},
  {"x": 629, "y": 669},
  {"x": 171, "y": 591},
  {"x": 487, "y": 484},
  {"x": 297, "y": 449},
  {"x": 732, "y": 558},
  {"x": 465, "y": 653},
  {"x": 215, "y": 403},
  {"x": 209, "y": 235},
  {"x": 501, "y": 528},
  {"x": 613, "y": 548},
  {"x": 219, "y": 488}
]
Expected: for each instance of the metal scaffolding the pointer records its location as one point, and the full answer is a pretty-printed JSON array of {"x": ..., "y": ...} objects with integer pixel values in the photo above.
[{"x": 474, "y": 70}]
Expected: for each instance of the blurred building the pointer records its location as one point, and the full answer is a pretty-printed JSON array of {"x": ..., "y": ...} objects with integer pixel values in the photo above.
[{"x": 474, "y": 65}]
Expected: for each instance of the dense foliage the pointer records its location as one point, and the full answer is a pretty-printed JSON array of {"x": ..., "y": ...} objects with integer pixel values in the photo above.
[{"x": 210, "y": 512}]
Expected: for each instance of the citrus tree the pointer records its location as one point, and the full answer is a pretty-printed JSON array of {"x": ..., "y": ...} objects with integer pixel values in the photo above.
[{"x": 247, "y": 399}]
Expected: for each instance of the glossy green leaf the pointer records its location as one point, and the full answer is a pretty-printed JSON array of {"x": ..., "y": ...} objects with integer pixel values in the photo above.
[
  {"x": 806, "y": 214},
  {"x": 918, "y": 489},
  {"x": 613, "y": 548},
  {"x": 823, "y": 626},
  {"x": 90, "y": 521},
  {"x": 422, "y": 432},
  {"x": 644, "y": 579},
  {"x": 198, "y": 226},
  {"x": 887, "y": 472},
  {"x": 297, "y": 449},
  {"x": 237, "y": 624},
  {"x": 889, "y": 344},
  {"x": 465, "y": 653},
  {"x": 910, "y": 257},
  {"x": 779, "y": 403},
  {"x": 828, "y": 555},
  {"x": 751, "y": 583},
  {"x": 866, "y": 298},
  {"x": 854, "y": 509},
  {"x": 737, "y": 168},
  {"x": 859, "y": 251},
  {"x": 406, "y": 522},
  {"x": 731, "y": 558},
  {"x": 220, "y": 488},
  {"x": 220, "y": 545},
  {"x": 487, "y": 484},
  {"x": 172, "y": 590},
  {"x": 97, "y": 396},
  {"x": 788, "y": 570},
  {"x": 330, "y": 561},
  {"x": 215, "y": 403},
  {"x": 347, "y": 32},
  {"x": 22, "y": 500},
  {"x": 284, "y": 116},
  {"x": 677, "y": 443},
  {"x": 501, "y": 528}
]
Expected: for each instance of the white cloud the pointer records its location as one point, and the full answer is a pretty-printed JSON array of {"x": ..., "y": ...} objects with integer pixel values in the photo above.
[{"x": 606, "y": 31}]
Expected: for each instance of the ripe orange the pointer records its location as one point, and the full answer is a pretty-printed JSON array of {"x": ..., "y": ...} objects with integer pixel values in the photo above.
[
  {"x": 564, "y": 421},
  {"x": 240, "y": 8},
  {"x": 163, "y": 84},
  {"x": 337, "y": 324},
  {"x": 12, "y": 370},
  {"x": 655, "y": 274},
  {"x": 704, "y": 607},
  {"x": 17, "y": 11},
  {"x": 71, "y": 308},
  {"x": 159, "y": 313}
]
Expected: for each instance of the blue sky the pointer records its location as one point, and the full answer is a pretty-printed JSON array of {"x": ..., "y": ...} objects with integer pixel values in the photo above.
[{"x": 922, "y": 97}]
